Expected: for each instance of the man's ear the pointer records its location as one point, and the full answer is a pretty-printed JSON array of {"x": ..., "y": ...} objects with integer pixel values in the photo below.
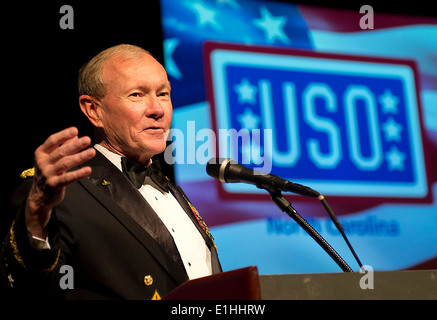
[{"x": 90, "y": 107}]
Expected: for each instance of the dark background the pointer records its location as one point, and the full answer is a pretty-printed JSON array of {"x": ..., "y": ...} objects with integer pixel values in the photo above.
[{"x": 41, "y": 62}]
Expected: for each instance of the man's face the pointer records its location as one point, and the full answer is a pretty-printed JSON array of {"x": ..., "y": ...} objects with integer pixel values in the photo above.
[{"x": 136, "y": 111}]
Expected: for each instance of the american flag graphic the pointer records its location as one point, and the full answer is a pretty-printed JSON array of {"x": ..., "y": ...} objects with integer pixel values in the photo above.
[{"x": 384, "y": 232}]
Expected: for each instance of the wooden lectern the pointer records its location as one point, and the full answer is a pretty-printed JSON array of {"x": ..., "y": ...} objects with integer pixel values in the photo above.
[
  {"x": 240, "y": 284},
  {"x": 246, "y": 284}
]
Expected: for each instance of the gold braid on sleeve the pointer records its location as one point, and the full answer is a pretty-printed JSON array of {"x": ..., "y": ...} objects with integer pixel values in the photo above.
[
  {"x": 19, "y": 258},
  {"x": 13, "y": 242}
]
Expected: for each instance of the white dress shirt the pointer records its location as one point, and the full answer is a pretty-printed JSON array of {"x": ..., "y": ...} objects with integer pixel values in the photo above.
[{"x": 193, "y": 250}]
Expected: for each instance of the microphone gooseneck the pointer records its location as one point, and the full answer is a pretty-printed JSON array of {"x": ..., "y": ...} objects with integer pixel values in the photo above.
[{"x": 230, "y": 171}]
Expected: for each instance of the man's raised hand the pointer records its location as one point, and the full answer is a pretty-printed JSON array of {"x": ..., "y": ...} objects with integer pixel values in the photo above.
[{"x": 61, "y": 152}]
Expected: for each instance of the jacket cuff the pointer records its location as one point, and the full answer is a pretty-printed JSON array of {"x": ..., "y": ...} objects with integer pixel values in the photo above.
[{"x": 27, "y": 251}]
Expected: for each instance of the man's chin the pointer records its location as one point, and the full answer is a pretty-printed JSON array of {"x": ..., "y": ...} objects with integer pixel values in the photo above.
[{"x": 153, "y": 148}]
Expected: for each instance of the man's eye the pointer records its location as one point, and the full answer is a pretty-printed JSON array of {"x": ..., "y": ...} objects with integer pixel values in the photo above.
[{"x": 135, "y": 94}]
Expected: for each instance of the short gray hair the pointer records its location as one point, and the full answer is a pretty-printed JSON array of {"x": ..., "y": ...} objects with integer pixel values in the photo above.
[{"x": 91, "y": 81}]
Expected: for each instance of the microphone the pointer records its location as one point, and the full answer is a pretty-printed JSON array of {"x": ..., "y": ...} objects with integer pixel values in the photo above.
[{"x": 227, "y": 170}]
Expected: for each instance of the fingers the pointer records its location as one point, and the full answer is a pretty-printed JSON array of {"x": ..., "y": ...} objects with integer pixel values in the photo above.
[
  {"x": 56, "y": 139},
  {"x": 63, "y": 180},
  {"x": 69, "y": 147},
  {"x": 69, "y": 155},
  {"x": 61, "y": 152},
  {"x": 64, "y": 164}
]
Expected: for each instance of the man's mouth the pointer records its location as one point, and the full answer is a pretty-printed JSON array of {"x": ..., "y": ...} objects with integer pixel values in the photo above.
[{"x": 155, "y": 129}]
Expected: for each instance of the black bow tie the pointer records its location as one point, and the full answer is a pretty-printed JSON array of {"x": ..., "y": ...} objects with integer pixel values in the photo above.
[{"x": 137, "y": 173}]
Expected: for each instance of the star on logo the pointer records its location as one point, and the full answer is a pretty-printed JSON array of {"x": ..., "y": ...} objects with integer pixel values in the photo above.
[
  {"x": 170, "y": 65},
  {"x": 395, "y": 159},
  {"x": 389, "y": 102},
  {"x": 272, "y": 26},
  {"x": 248, "y": 120},
  {"x": 246, "y": 92},
  {"x": 205, "y": 16},
  {"x": 392, "y": 130}
]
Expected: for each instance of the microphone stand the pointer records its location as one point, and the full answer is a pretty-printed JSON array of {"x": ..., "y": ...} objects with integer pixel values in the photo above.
[{"x": 286, "y": 206}]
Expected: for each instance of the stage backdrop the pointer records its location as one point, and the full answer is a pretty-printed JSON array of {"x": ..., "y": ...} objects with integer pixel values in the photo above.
[{"x": 341, "y": 101}]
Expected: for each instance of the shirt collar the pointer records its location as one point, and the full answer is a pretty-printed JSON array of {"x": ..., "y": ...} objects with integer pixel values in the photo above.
[{"x": 111, "y": 156}]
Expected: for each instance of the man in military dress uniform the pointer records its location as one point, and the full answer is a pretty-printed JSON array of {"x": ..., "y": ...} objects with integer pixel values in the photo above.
[{"x": 107, "y": 211}]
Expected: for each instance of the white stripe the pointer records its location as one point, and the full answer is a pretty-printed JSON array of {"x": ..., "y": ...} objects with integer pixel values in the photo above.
[{"x": 416, "y": 42}]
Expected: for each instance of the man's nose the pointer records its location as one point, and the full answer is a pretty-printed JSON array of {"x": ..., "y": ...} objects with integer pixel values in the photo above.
[{"x": 155, "y": 109}]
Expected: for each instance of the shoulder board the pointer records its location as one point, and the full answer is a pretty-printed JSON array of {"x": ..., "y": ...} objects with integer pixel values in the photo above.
[{"x": 27, "y": 173}]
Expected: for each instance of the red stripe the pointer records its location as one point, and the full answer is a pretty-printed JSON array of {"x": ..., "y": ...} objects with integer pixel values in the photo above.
[{"x": 337, "y": 20}]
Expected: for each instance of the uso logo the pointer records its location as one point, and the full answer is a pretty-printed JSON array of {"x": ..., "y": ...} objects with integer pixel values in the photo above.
[{"x": 345, "y": 126}]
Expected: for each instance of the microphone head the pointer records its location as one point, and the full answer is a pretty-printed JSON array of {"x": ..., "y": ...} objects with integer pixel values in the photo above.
[
  {"x": 216, "y": 168},
  {"x": 227, "y": 170},
  {"x": 213, "y": 167}
]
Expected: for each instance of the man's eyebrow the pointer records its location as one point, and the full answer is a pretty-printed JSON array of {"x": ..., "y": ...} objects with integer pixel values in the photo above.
[{"x": 165, "y": 85}]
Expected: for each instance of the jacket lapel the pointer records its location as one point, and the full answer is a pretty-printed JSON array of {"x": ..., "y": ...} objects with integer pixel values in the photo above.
[{"x": 114, "y": 191}]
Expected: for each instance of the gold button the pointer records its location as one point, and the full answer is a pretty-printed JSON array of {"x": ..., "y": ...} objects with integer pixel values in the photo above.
[{"x": 148, "y": 280}]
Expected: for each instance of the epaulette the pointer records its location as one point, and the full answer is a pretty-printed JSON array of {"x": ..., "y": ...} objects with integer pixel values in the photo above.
[{"x": 27, "y": 173}]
